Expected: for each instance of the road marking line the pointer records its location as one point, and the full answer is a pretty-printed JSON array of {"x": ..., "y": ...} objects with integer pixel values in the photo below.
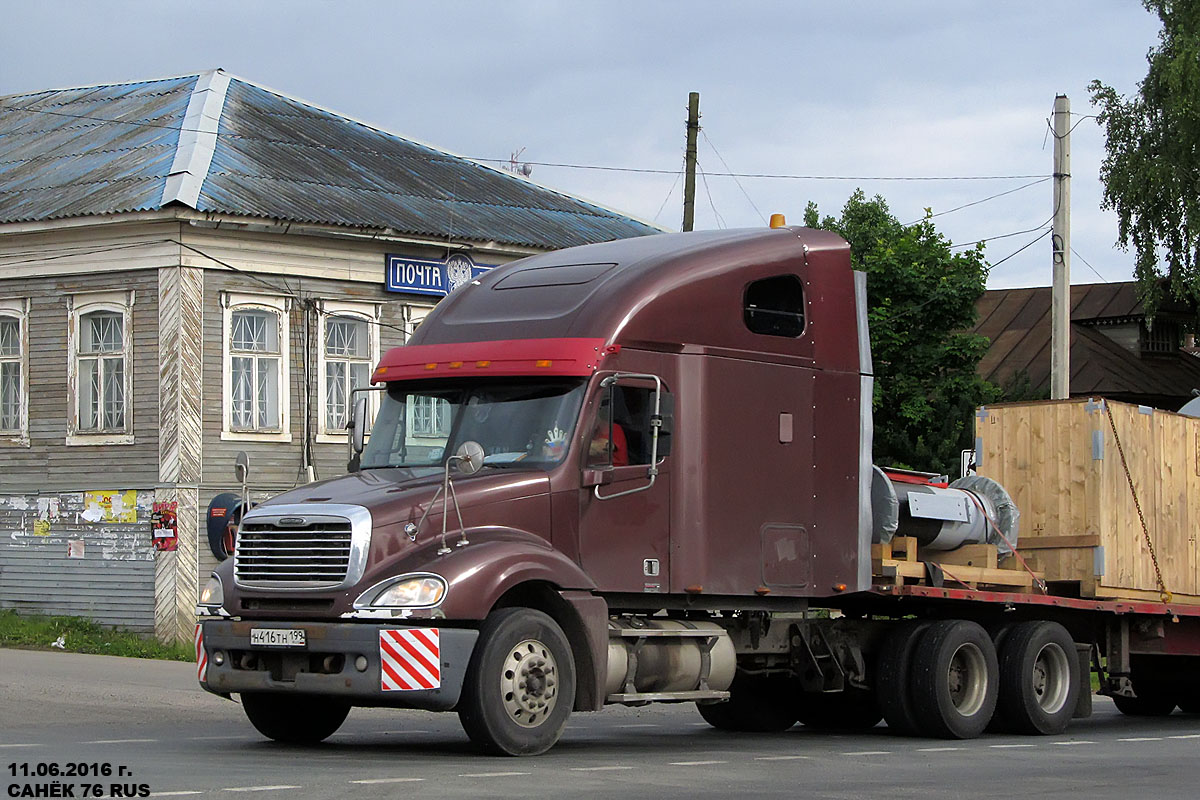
[
  {"x": 644, "y": 725},
  {"x": 491, "y": 774},
  {"x": 1142, "y": 739},
  {"x": 938, "y": 749},
  {"x": 213, "y": 738},
  {"x": 1186, "y": 736},
  {"x": 176, "y": 794},
  {"x": 701, "y": 725},
  {"x": 31, "y": 744},
  {"x": 694, "y": 763},
  {"x": 778, "y": 758},
  {"x": 1009, "y": 746},
  {"x": 120, "y": 741},
  {"x": 869, "y": 753},
  {"x": 596, "y": 769},
  {"x": 260, "y": 788},
  {"x": 388, "y": 780},
  {"x": 1072, "y": 744}
]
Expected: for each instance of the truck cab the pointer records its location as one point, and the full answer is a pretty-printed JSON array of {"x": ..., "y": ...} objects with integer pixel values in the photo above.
[{"x": 573, "y": 451}]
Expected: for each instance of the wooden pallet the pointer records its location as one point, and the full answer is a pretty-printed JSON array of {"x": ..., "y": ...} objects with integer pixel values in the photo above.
[{"x": 972, "y": 566}]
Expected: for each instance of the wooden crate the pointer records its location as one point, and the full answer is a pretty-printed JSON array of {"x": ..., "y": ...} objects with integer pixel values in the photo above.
[{"x": 1079, "y": 525}]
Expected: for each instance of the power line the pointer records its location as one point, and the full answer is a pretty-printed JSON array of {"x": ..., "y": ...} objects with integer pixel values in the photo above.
[
  {"x": 977, "y": 202},
  {"x": 1089, "y": 266},
  {"x": 670, "y": 192},
  {"x": 735, "y": 180},
  {"x": 995, "y": 264},
  {"x": 704, "y": 179}
]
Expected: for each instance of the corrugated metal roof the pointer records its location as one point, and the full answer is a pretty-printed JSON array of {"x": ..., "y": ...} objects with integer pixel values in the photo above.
[{"x": 274, "y": 157}]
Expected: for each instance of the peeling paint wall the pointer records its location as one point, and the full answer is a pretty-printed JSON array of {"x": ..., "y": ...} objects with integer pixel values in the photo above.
[{"x": 85, "y": 554}]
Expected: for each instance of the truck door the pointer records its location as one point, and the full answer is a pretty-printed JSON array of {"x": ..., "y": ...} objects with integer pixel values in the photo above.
[{"x": 624, "y": 510}]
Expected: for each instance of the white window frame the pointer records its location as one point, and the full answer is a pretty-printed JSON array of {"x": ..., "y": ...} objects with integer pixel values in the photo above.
[
  {"x": 280, "y": 306},
  {"x": 19, "y": 309},
  {"x": 368, "y": 313},
  {"x": 413, "y": 316},
  {"x": 80, "y": 304}
]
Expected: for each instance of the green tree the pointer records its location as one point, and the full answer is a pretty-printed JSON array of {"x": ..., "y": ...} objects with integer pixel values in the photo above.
[
  {"x": 921, "y": 297},
  {"x": 1151, "y": 172}
]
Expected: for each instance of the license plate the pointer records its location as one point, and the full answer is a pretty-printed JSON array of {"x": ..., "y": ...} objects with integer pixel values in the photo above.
[{"x": 276, "y": 637}]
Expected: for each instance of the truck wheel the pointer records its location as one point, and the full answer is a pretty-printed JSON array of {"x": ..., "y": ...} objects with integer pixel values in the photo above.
[
  {"x": 520, "y": 684},
  {"x": 294, "y": 719},
  {"x": 848, "y": 710},
  {"x": 757, "y": 704},
  {"x": 1039, "y": 685},
  {"x": 892, "y": 681},
  {"x": 954, "y": 680}
]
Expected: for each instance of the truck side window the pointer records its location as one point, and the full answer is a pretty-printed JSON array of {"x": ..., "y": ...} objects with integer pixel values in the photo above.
[
  {"x": 632, "y": 408},
  {"x": 775, "y": 306}
]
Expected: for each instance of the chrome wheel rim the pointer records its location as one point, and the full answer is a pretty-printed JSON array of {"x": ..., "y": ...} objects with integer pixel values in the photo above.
[
  {"x": 529, "y": 683},
  {"x": 967, "y": 680},
  {"x": 1051, "y": 678}
]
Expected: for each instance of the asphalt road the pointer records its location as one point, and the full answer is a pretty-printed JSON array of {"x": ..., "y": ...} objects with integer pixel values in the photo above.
[{"x": 173, "y": 740}]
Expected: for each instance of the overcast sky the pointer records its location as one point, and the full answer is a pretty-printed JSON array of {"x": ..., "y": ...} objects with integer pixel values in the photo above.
[{"x": 927, "y": 88}]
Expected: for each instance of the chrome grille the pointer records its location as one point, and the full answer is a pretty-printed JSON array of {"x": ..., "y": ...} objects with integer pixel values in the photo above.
[{"x": 294, "y": 547}]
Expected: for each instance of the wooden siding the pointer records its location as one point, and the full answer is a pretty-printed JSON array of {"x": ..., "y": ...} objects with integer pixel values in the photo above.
[
  {"x": 1079, "y": 523},
  {"x": 48, "y": 463},
  {"x": 111, "y": 576}
]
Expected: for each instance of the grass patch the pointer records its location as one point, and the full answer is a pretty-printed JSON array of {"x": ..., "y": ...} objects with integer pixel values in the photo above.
[{"x": 83, "y": 636}]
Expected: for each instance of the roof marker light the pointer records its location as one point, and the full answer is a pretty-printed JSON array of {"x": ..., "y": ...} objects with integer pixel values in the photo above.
[
  {"x": 431, "y": 366},
  {"x": 778, "y": 221},
  {"x": 454, "y": 364},
  {"x": 543, "y": 363},
  {"x": 482, "y": 364}
]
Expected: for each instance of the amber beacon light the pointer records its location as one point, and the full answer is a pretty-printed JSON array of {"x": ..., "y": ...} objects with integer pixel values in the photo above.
[{"x": 778, "y": 221}]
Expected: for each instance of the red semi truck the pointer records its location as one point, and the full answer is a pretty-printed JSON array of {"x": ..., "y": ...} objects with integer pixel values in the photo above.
[{"x": 637, "y": 472}]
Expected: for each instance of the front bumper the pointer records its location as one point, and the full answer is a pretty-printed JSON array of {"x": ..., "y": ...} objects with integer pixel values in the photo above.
[{"x": 397, "y": 673}]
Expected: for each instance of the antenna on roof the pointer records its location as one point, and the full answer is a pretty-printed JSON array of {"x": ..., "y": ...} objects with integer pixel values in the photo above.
[{"x": 516, "y": 166}]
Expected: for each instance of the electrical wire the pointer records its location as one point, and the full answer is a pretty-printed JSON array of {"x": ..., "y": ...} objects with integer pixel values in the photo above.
[
  {"x": 735, "y": 180},
  {"x": 995, "y": 264},
  {"x": 1089, "y": 266},
  {"x": 977, "y": 202},
  {"x": 670, "y": 192},
  {"x": 704, "y": 180}
]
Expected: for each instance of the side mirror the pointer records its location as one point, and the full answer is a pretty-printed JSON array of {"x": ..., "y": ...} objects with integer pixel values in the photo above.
[
  {"x": 358, "y": 425},
  {"x": 469, "y": 457},
  {"x": 241, "y": 467}
]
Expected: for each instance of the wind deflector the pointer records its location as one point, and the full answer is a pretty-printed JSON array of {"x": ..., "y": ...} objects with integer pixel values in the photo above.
[{"x": 558, "y": 275}]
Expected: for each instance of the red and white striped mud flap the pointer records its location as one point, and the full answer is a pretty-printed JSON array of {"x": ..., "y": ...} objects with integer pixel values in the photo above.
[
  {"x": 410, "y": 659},
  {"x": 201, "y": 655}
]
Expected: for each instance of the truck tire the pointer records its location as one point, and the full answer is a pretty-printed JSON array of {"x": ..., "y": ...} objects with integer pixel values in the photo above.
[
  {"x": 847, "y": 710},
  {"x": 757, "y": 704},
  {"x": 892, "y": 681},
  {"x": 1039, "y": 679},
  {"x": 294, "y": 719},
  {"x": 955, "y": 680},
  {"x": 520, "y": 684}
]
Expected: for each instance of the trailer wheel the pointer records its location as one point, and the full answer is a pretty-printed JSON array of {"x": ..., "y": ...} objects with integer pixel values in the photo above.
[
  {"x": 294, "y": 719},
  {"x": 954, "y": 680},
  {"x": 892, "y": 677},
  {"x": 1039, "y": 684},
  {"x": 848, "y": 710},
  {"x": 756, "y": 704},
  {"x": 520, "y": 684}
]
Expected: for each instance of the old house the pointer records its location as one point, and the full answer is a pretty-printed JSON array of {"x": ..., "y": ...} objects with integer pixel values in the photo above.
[
  {"x": 1116, "y": 352},
  {"x": 196, "y": 266}
]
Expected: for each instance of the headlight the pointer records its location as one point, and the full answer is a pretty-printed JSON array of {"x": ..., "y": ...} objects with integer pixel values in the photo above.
[
  {"x": 213, "y": 594},
  {"x": 407, "y": 591}
]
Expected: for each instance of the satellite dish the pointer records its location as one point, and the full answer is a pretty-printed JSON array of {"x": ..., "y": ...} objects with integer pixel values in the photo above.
[{"x": 1191, "y": 408}]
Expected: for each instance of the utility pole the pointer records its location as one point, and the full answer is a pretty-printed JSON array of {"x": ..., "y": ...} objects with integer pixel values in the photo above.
[
  {"x": 1060, "y": 302},
  {"x": 689, "y": 178}
]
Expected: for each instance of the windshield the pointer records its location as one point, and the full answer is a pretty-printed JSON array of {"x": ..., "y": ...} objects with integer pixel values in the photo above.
[{"x": 518, "y": 423}]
